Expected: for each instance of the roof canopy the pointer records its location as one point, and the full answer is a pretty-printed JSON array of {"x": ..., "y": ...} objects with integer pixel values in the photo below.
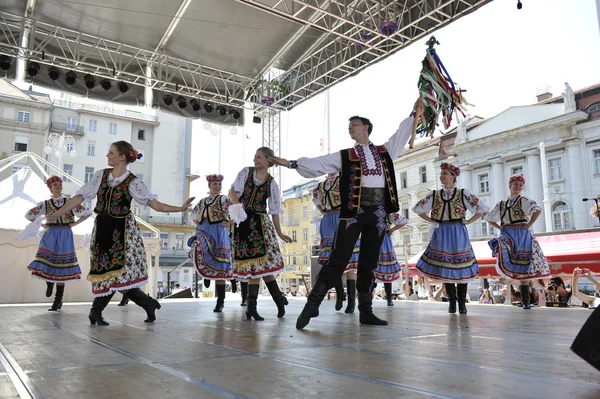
[{"x": 230, "y": 52}]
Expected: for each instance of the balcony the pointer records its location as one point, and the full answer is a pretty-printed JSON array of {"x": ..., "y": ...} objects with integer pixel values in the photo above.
[
  {"x": 178, "y": 221},
  {"x": 292, "y": 222},
  {"x": 60, "y": 127}
]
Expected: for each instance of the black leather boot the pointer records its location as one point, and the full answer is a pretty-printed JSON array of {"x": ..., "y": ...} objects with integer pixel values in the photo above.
[
  {"x": 145, "y": 301},
  {"x": 365, "y": 307},
  {"x": 49, "y": 288},
  {"x": 388, "y": 294},
  {"x": 339, "y": 295},
  {"x": 351, "y": 286},
  {"x": 98, "y": 306},
  {"x": 206, "y": 282},
  {"x": 244, "y": 291},
  {"x": 525, "y": 299},
  {"x": 311, "y": 309},
  {"x": 462, "y": 297},
  {"x": 60, "y": 290},
  {"x": 252, "y": 300},
  {"x": 279, "y": 299},
  {"x": 233, "y": 286},
  {"x": 124, "y": 301},
  {"x": 220, "y": 291},
  {"x": 451, "y": 291}
]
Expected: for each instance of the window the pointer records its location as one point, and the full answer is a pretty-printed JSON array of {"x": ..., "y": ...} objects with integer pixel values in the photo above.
[
  {"x": 403, "y": 180},
  {"x": 112, "y": 129},
  {"x": 486, "y": 229},
  {"x": 145, "y": 234},
  {"x": 406, "y": 239},
  {"x": 294, "y": 235},
  {"x": 424, "y": 236},
  {"x": 556, "y": 169},
  {"x": 593, "y": 109},
  {"x": 16, "y": 168},
  {"x": 71, "y": 124},
  {"x": 91, "y": 149},
  {"x": 164, "y": 240},
  {"x": 89, "y": 172},
  {"x": 404, "y": 209},
  {"x": 597, "y": 162},
  {"x": 304, "y": 235},
  {"x": 21, "y": 143},
  {"x": 293, "y": 260},
  {"x": 68, "y": 169},
  {"x": 517, "y": 170},
  {"x": 304, "y": 212},
  {"x": 92, "y": 125},
  {"x": 561, "y": 216},
  {"x": 423, "y": 174},
  {"x": 141, "y": 134},
  {"x": 24, "y": 116},
  {"x": 180, "y": 238},
  {"x": 305, "y": 259},
  {"x": 70, "y": 146},
  {"x": 484, "y": 183}
]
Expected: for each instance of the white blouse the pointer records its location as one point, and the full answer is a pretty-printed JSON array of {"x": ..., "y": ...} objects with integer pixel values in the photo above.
[
  {"x": 317, "y": 193},
  {"x": 196, "y": 213},
  {"x": 274, "y": 200},
  {"x": 331, "y": 163},
  {"x": 138, "y": 190},
  {"x": 529, "y": 207},
  {"x": 40, "y": 209},
  {"x": 473, "y": 204},
  {"x": 397, "y": 219}
]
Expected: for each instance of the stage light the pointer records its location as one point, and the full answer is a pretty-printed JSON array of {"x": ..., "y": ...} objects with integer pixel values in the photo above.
[
  {"x": 208, "y": 107},
  {"x": 168, "y": 99},
  {"x": 33, "y": 68},
  {"x": 221, "y": 110},
  {"x": 5, "y": 62},
  {"x": 256, "y": 119},
  {"x": 53, "y": 73},
  {"x": 235, "y": 113},
  {"x": 195, "y": 105},
  {"x": 519, "y": 5},
  {"x": 70, "y": 78},
  {"x": 123, "y": 87},
  {"x": 182, "y": 102},
  {"x": 106, "y": 85},
  {"x": 90, "y": 81}
]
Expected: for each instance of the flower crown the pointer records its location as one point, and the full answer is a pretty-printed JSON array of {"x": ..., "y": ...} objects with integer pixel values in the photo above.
[
  {"x": 455, "y": 170},
  {"x": 135, "y": 154},
  {"x": 595, "y": 211},
  {"x": 212, "y": 178},
  {"x": 515, "y": 178},
  {"x": 53, "y": 179}
]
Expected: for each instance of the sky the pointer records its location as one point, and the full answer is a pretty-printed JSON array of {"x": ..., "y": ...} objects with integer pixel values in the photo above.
[{"x": 500, "y": 55}]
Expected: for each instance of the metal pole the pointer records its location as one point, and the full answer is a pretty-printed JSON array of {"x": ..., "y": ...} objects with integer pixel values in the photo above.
[
  {"x": 219, "y": 169},
  {"x": 168, "y": 283}
]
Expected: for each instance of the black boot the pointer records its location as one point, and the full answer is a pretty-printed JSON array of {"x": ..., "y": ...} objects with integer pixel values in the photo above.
[
  {"x": 388, "y": 293},
  {"x": 365, "y": 307},
  {"x": 49, "y": 288},
  {"x": 462, "y": 297},
  {"x": 451, "y": 291},
  {"x": 351, "y": 287},
  {"x": 220, "y": 291},
  {"x": 278, "y": 297},
  {"x": 98, "y": 306},
  {"x": 311, "y": 309},
  {"x": 525, "y": 299},
  {"x": 124, "y": 301},
  {"x": 252, "y": 299},
  {"x": 60, "y": 289},
  {"x": 206, "y": 282},
  {"x": 244, "y": 290},
  {"x": 233, "y": 286},
  {"x": 145, "y": 301},
  {"x": 339, "y": 295}
]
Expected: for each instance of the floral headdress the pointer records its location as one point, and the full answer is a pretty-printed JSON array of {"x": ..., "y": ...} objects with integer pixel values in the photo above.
[
  {"x": 595, "y": 211},
  {"x": 53, "y": 179},
  {"x": 515, "y": 178},
  {"x": 455, "y": 170},
  {"x": 133, "y": 153},
  {"x": 212, "y": 178}
]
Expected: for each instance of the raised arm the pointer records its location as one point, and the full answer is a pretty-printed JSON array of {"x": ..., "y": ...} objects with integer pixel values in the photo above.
[
  {"x": 588, "y": 299},
  {"x": 313, "y": 167},
  {"x": 162, "y": 207}
]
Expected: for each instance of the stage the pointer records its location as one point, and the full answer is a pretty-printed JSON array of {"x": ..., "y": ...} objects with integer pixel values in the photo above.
[{"x": 190, "y": 352}]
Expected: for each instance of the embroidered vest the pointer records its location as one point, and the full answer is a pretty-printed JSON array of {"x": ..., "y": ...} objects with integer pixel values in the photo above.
[
  {"x": 68, "y": 217},
  {"x": 213, "y": 212},
  {"x": 454, "y": 205},
  {"x": 515, "y": 211},
  {"x": 331, "y": 194},
  {"x": 351, "y": 178},
  {"x": 114, "y": 201},
  {"x": 255, "y": 196}
]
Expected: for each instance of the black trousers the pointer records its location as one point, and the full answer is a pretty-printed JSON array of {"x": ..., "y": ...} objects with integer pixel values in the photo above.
[{"x": 370, "y": 221}]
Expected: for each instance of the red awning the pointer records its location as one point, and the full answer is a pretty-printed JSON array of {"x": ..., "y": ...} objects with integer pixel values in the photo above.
[{"x": 564, "y": 252}]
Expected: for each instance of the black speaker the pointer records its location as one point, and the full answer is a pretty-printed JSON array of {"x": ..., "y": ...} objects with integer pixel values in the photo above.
[{"x": 586, "y": 344}]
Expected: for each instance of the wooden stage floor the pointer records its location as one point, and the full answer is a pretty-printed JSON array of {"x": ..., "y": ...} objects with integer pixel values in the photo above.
[{"x": 190, "y": 352}]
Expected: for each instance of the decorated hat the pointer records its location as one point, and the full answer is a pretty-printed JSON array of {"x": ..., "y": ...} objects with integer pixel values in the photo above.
[
  {"x": 455, "y": 170},
  {"x": 212, "y": 178},
  {"x": 53, "y": 179},
  {"x": 515, "y": 178}
]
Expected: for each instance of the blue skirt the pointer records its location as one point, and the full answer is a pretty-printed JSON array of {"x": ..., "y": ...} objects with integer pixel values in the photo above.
[
  {"x": 388, "y": 269},
  {"x": 449, "y": 257},
  {"x": 328, "y": 228},
  {"x": 518, "y": 256},
  {"x": 55, "y": 260},
  {"x": 211, "y": 251}
]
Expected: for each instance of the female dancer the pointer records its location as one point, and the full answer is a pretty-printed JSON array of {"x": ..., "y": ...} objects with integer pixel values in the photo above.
[
  {"x": 256, "y": 251},
  {"x": 388, "y": 269},
  {"x": 449, "y": 258},
  {"x": 326, "y": 196},
  {"x": 517, "y": 252},
  {"x": 117, "y": 254},
  {"x": 211, "y": 245},
  {"x": 55, "y": 260}
]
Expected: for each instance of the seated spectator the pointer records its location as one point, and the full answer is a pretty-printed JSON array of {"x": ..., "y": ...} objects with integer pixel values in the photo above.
[
  {"x": 479, "y": 293},
  {"x": 558, "y": 292},
  {"x": 409, "y": 293},
  {"x": 487, "y": 298}
]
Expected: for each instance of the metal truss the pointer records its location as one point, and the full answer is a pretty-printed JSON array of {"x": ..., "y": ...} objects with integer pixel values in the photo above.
[{"x": 271, "y": 137}]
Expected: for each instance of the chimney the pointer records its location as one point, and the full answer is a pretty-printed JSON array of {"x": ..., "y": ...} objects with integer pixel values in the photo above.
[{"x": 543, "y": 93}]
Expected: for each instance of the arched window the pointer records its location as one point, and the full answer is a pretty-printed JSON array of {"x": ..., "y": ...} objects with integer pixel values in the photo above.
[
  {"x": 593, "y": 109},
  {"x": 561, "y": 216}
]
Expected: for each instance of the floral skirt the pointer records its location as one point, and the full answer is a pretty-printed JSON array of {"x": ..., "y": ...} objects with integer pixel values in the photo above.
[
  {"x": 449, "y": 258},
  {"x": 271, "y": 264},
  {"x": 135, "y": 272},
  {"x": 55, "y": 260},
  {"x": 519, "y": 255},
  {"x": 211, "y": 251},
  {"x": 328, "y": 228},
  {"x": 388, "y": 269}
]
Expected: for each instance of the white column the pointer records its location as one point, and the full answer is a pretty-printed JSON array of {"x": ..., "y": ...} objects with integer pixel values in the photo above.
[
  {"x": 534, "y": 190},
  {"x": 577, "y": 184},
  {"x": 498, "y": 182}
]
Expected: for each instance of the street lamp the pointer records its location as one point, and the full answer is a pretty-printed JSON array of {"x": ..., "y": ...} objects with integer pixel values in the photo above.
[
  {"x": 597, "y": 206},
  {"x": 60, "y": 144}
]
